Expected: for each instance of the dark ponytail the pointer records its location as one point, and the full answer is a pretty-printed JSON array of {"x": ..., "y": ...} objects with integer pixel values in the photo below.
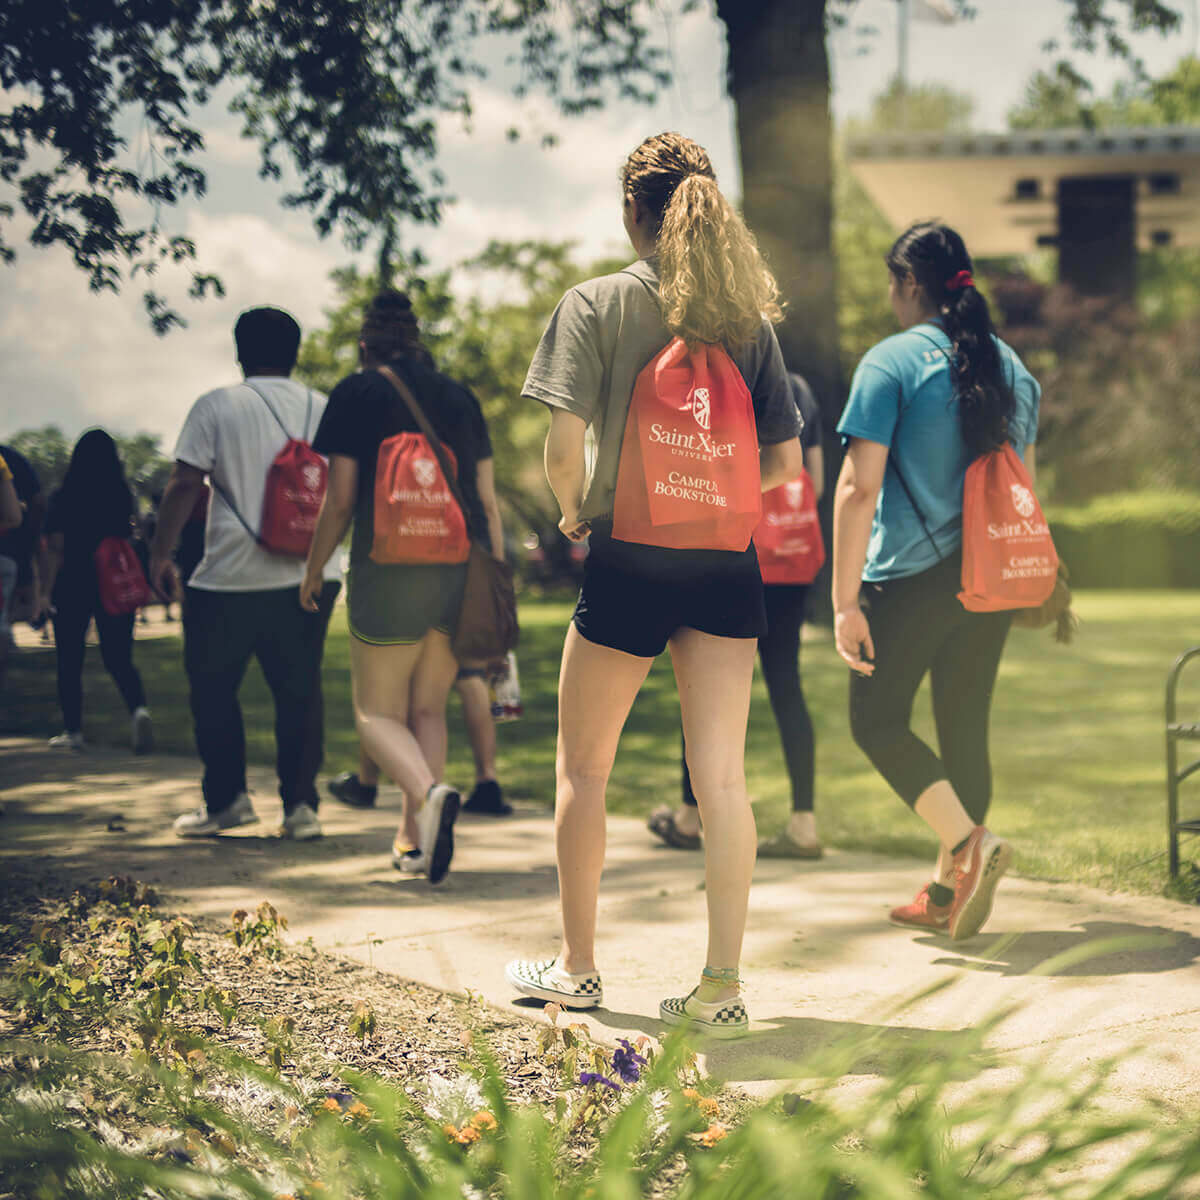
[{"x": 938, "y": 260}]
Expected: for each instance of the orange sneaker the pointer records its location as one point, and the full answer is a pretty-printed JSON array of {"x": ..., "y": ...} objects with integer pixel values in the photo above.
[
  {"x": 978, "y": 867},
  {"x": 922, "y": 913}
]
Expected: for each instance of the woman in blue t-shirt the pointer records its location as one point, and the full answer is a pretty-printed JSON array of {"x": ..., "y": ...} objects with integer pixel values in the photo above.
[{"x": 924, "y": 404}]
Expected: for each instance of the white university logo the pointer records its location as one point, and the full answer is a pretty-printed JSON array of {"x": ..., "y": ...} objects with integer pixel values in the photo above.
[
  {"x": 1023, "y": 500},
  {"x": 795, "y": 492},
  {"x": 425, "y": 469},
  {"x": 311, "y": 476},
  {"x": 702, "y": 408}
]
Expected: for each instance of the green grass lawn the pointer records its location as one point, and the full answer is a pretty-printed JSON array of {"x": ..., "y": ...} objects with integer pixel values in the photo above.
[{"x": 1077, "y": 736}]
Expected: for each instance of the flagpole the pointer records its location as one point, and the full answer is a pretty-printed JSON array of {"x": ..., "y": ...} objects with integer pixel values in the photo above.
[{"x": 902, "y": 60}]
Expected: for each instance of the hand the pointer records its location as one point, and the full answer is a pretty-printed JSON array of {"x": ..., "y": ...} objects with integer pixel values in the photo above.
[
  {"x": 573, "y": 528},
  {"x": 310, "y": 590},
  {"x": 852, "y": 633},
  {"x": 164, "y": 578}
]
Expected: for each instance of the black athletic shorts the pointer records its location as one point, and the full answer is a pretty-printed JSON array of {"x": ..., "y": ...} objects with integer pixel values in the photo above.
[
  {"x": 634, "y": 598},
  {"x": 398, "y": 603}
]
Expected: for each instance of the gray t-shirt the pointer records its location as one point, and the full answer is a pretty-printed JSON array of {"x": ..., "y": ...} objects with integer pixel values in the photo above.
[{"x": 601, "y": 335}]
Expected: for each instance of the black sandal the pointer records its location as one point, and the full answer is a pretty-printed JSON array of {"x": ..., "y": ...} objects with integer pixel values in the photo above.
[{"x": 662, "y": 825}]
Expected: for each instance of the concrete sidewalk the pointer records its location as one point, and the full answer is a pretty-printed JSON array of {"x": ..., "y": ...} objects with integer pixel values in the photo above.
[{"x": 821, "y": 963}]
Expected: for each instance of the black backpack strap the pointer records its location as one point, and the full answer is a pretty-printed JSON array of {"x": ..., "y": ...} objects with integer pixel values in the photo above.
[
  {"x": 894, "y": 463},
  {"x": 271, "y": 408},
  {"x": 234, "y": 509}
]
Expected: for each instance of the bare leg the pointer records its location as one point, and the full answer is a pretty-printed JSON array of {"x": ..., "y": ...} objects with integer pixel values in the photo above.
[
  {"x": 714, "y": 676},
  {"x": 939, "y": 807},
  {"x": 596, "y": 690},
  {"x": 481, "y": 728},
  {"x": 368, "y": 772},
  {"x": 428, "y": 693},
  {"x": 381, "y": 679}
]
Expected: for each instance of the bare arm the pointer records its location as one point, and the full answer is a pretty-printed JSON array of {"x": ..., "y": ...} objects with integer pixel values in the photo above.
[
  {"x": 337, "y": 510},
  {"x": 814, "y": 464},
  {"x": 1030, "y": 461},
  {"x": 780, "y": 463},
  {"x": 179, "y": 498},
  {"x": 485, "y": 482},
  {"x": 566, "y": 469},
  {"x": 853, "y": 511}
]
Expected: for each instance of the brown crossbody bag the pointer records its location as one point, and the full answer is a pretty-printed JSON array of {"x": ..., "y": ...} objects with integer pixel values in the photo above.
[{"x": 487, "y": 622}]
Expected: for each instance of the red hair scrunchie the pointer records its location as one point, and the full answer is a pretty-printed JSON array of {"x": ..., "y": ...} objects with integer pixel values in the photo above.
[{"x": 957, "y": 282}]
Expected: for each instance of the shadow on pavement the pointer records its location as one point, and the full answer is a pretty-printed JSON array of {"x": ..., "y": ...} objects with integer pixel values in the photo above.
[{"x": 1094, "y": 948}]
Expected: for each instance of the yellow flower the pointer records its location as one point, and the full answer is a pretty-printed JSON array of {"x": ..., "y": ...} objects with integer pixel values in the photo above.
[
  {"x": 464, "y": 1136},
  {"x": 451, "y": 1131},
  {"x": 708, "y": 1106},
  {"x": 484, "y": 1120},
  {"x": 329, "y": 1104},
  {"x": 691, "y": 1094},
  {"x": 359, "y": 1110}
]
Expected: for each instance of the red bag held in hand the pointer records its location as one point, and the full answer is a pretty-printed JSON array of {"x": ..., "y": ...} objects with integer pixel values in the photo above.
[
  {"x": 417, "y": 519},
  {"x": 1009, "y": 560},
  {"x": 122, "y": 583},
  {"x": 688, "y": 477},
  {"x": 788, "y": 538}
]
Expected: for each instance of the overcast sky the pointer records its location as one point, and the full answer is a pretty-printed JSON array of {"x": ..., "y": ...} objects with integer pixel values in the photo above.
[{"x": 75, "y": 359}]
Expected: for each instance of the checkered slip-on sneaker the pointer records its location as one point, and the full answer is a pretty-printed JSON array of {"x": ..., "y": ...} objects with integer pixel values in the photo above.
[
  {"x": 547, "y": 981},
  {"x": 724, "y": 1019}
]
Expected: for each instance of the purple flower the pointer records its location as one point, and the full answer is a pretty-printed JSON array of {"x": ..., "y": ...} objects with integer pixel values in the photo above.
[
  {"x": 627, "y": 1062},
  {"x": 590, "y": 1078}
]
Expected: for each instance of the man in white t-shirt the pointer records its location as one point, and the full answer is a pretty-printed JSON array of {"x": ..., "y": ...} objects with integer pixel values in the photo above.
[{"x": 243, "y": 601}]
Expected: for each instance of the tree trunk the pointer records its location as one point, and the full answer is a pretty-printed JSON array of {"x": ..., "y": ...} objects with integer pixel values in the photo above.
[{"x": 779, "y": 82}]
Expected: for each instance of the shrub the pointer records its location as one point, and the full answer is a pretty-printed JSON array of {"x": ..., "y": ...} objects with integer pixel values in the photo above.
[{"x": 1131, "y": 540}]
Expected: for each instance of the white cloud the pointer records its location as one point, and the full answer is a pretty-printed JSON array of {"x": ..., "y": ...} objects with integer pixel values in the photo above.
[
  {"x": 74, "y": 358},
  {"x": 223, "y": 144}
]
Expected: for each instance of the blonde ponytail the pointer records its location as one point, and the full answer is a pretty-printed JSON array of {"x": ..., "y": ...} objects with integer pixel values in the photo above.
[{"x": 713, "y": 283}]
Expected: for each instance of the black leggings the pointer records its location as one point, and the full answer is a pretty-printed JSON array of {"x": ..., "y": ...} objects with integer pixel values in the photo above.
[
  {"x": 71, "y": 620},
  {"x": 918, "y": 625},
  {"x": 779, "y": 652}
]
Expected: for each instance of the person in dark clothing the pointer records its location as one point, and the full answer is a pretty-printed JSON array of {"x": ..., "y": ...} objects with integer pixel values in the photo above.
[
  {"x": 19, "y": 583},
  {"x": 93, "y": 503},
  {"x": 403, "y": 601},
  {"x": 779, "y": 654}
]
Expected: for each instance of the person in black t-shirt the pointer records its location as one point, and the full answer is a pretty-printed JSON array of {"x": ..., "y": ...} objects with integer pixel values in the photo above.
[
  {"x": 779, "y": 653},
  {"x": 402, "y": 615},
  {"x": 93, "y": 503}
]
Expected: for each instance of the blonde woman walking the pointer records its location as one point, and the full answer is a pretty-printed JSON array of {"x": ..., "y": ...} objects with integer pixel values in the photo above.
[{"x": 698, "y": 278}]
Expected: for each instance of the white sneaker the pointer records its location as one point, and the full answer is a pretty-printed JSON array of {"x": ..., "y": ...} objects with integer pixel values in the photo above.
[
  {"x": 301, "y": 825},
  {"x": 545, "y": 980},
  {"x": 435, "y": 822},
  {"x": 68, "y": 741},
  {"x": 721, "y": 1019},
  {"x": 143, "y": 731},
  {"x": 406, "y": 858},
  {"x": 201, "y": 824}
]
